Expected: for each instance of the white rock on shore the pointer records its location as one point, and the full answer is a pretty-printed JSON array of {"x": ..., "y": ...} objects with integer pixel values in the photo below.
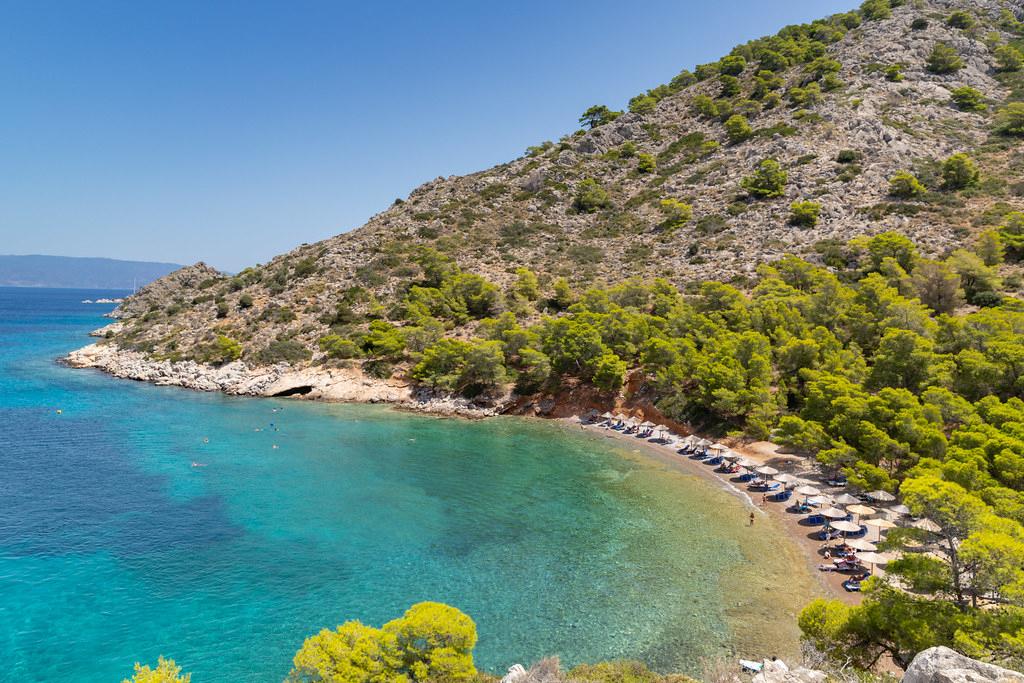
[
  {"x": 943, "y": 665},
  {"x": 327, "y": 384}
]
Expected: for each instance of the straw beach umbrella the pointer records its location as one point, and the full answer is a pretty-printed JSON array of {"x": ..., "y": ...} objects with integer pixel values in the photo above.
[
  {"x": 807, "y": 490},
  {"x": 899, "y": 510},
  {"x": 833, "y": 513},
  {"x": 862, "y": 544},
  {"x": 786, "y": 478},
  {"x": 845, "y": 526},
  {"x": 873, "y": 559},
  {"x": 847, "y": 499},
  {"x": 860, "y": 510},
  {"x": 719, "y": 447},
  {"x": 927, "y": 525},
  {"x": 767, "y": 471},
  {"x": 879, "y": 524},
  {"x": 881, "y": 496}
]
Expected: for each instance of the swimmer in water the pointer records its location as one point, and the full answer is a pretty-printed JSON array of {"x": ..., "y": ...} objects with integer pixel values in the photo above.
[
  {"x": 206, "y": 439},
  {"x": 275, "y": 446},
  {"x": 198, "y": 464}
]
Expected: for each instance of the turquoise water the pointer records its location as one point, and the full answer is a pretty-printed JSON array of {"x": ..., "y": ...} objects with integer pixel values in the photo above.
[{"x": 115, "y": 548}]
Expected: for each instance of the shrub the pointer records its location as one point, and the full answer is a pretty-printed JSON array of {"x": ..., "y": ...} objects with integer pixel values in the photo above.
[
  {"x": 336, "y": 346},
  {"x": 642, "y": 104},
  {"x": 282, "y": 351},
  {"x": 682, "y": 80},
  {"x": 733, "y": 65},
  {"x": 1010, "y": 119},
  {"x": 768, "y": 181},
  {"x": 166, "y": 671},
  {"x": 967, "y": 98},
  {"x": 306, "y": 266},
  {"x": 705, "y": 106},
  {"x": 919, "y": 24},
  {"x": 591, "y": 197},
  {"x": 960, "y": 19},
  {"x": 227, "y": 349},
  {"x": 823, "y": 66},
  {"x": 738, "y": 129},
  {"x": 959, "y": 172},
  {"x": 430, "y": 642},
  {"x": 894, "y": 73},
  {"x": 831, "y": 82},
  {"x": 627, "y": 150},
  {"x": 847, "y": 156},
  {"x": 598, "y": 115},
  {"x": 905, "y": 185},
  {"x": 730, "y": 85},
  {"x": 770, "y": 61},
  {"x": 876, "y": 9},
  {"x": 1011, "y": 232},
  {"x": 646, "y": 163},
  {"x": 609, "y": 372},
  {"x": 804, "y": 214},
  {"x": 1009, "y": 58},
  {"x": 677, "y": 214},
  {"x": 383, "y": 340},
  {"x": 806, "y": 96},
  {"x": 944, "y": 59},
  {"x": 245, "y": 301}
]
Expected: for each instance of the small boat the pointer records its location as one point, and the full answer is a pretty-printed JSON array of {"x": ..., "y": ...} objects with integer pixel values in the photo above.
[{"x": 753, "y": 667}]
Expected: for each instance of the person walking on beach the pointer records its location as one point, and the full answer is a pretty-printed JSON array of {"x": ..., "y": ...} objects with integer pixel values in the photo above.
[{"x": 751, "y": 518}]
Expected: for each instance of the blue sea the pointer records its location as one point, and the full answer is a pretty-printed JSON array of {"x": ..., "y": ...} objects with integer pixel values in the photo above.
[{"x": 141, "y": 521}]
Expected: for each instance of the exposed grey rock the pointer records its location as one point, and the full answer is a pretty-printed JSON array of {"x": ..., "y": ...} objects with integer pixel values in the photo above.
[{"x": 943, "y": 665}]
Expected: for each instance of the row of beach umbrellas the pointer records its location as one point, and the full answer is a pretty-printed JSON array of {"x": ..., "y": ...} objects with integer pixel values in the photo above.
[{"x": 866, "y": 550}]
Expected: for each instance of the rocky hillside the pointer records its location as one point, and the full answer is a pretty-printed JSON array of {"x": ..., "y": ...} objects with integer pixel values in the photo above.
[{"x": 663, "y": 190}]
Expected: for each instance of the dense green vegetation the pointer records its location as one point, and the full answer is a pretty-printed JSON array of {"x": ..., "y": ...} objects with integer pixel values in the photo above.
[{"x": 903, "y": 372}]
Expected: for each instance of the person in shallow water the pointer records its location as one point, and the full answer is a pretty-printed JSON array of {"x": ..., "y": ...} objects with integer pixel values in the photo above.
[{"x": 751, "y": 519}]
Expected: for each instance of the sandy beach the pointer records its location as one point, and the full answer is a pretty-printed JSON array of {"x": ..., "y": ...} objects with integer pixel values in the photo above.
[{"x": 764, "y": 453}]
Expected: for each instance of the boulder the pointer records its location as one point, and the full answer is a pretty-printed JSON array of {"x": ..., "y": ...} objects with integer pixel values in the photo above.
[{"x": 943, "y": 665}]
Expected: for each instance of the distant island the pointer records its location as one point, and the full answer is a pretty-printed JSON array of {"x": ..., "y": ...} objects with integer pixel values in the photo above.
[{"x": 78, "y": 272}]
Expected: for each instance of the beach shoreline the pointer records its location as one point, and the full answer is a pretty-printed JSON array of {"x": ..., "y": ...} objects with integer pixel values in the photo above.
[
  {"x": 796, "y": 558},
  {"x": 782, "y": 521},
  {"x": 349, "y": 385}
]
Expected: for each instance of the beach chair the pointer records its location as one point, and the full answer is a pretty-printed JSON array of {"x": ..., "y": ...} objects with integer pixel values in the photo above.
[
  {"x": 782, "y": 496},
  {"x": 858, "y": 534},
  {"x": 815, "y": 520}
]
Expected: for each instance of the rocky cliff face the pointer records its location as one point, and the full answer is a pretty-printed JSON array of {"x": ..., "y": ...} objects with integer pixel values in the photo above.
[{"x": 839, "y": 148}]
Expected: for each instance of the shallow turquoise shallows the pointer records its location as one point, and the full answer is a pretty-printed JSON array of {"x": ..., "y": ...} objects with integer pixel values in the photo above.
[{"x": 221, "y": 531}]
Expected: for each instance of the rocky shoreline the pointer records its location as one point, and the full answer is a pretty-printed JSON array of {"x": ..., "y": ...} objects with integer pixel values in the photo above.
[{"x": 281, "y": 380}]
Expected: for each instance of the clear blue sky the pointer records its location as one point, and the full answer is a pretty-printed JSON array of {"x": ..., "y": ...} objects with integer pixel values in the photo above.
[{"x": 231, "y": 131}]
